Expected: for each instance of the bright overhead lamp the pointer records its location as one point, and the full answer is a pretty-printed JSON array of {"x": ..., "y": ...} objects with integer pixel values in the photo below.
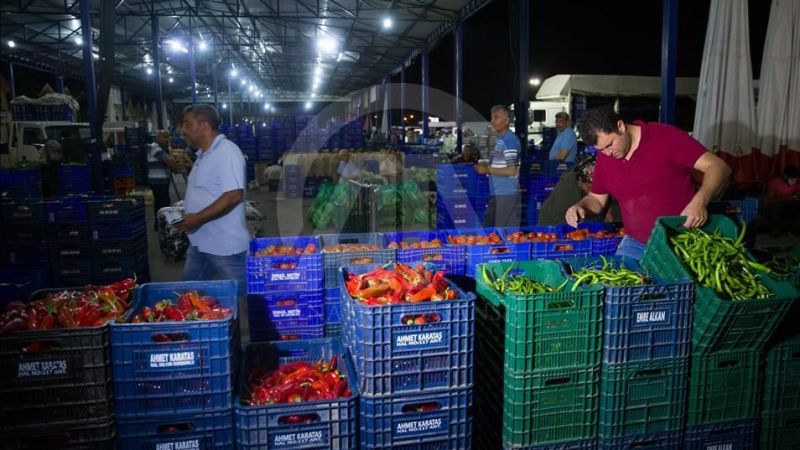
[
  {"x": 244, "y": 81},
  {"x": 11, "y": 43},
  {"x": 234, "y": 73},
  {"x": 308, "y": 105},
  {"x": 535, "y": 81},
  {"x": 224, "y": 106},
  {"x": 313, "y": 95},
  {"x": 149, "y": 71},
  {"x": 177, "y": 46},
  {"x": 96, "y": 55},
  {"x": 387, "y": 23},
  {"x": 171, "y": 79},
  {"x": 327, "y": 45},
  {"x": 203, "y": 46},
  {"x": 78, "y": 40}
]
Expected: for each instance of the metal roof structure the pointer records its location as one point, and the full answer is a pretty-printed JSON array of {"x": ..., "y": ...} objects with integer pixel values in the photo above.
[{"x": 285, "y": 49}]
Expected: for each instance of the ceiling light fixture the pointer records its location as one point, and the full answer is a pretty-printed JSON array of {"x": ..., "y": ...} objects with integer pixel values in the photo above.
[
  {"x": 327, "y": 45},
  {"x": 387, "y": 23},
  {"x": 149, "y": 71},
  {"x": 78, "y": 40},
  {"x": 308, "y": 105}
]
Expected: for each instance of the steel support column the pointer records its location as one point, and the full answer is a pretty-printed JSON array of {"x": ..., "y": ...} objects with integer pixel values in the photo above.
[
  {"x": 388, "y": 116},
  {"x": 91, "y": 96},
  {"x": 157, "y": 71},
  {"x": 402, "y": 102},
  {"x": 425, "y": 94},
  {"x": 192, "y": 73},
  {"x": 216, "y": 100},
  {"x": 60, "y": 84},
  {"x": 230, "y": 102},
  {"x": 11, "y": 80},
  {"x": 521, "y": 108},
  {"x": 122, "y": 100},
  {"x": 459, "y": 63},
  {"x": 669, "y": 47}
]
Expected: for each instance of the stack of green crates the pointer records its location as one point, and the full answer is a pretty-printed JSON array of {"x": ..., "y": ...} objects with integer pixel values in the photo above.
[
  {"x": 646, "y": 337},
  {"x": 728, "y": 340},
  {"x": 546, "y": 350}
]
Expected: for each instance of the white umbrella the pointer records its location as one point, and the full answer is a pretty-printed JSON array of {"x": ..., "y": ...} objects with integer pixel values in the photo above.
[
  {"x": 779, "y": 88},
  {"x": 724, "y": 119}
]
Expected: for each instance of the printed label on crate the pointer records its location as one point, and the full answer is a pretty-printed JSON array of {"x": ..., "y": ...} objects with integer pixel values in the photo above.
[
  {"x": 186, "y": 444},
  {"x": 428, "y": 425},
  {"x": 172, "y": 359},
  {"x": 561, "y": 321},
  {"x": 652, "y": 317},
  {"x": 720, "y": 446},
  {"x": 421, "y": 340},
  {"x": 294, "y": 313},
  {"x": 311, "y": 438},
  {"x": 511, "y": 257},
  {"x": 45, "y": 368},
  {"x": 108, "y": 212},
  {"x": 286, "y": 276}
]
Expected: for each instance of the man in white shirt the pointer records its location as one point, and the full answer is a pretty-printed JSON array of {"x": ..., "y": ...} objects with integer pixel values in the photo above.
[{"x": 347, "y": 169}]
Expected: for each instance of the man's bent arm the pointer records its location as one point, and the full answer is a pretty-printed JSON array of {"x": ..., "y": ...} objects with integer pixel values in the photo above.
[
  {"x": 221, "y": 206},
  {"x": 715, "y": 177}
]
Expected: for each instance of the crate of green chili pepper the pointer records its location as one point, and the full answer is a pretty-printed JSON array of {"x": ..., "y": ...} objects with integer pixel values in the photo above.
[
  {"x": 645, "y": 317},
  {"x": 737, "y": 304},
  {"x": 783, "y": 262},
  {"x": 547, "y": 324}
]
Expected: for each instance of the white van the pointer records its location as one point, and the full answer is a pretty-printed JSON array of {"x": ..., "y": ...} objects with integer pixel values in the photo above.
[{"x": 27, "y": 139}]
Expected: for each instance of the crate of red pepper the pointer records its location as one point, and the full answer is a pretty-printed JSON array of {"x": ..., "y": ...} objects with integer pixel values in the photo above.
[
  {"x": 426, "y": 246},
  {"x": 212, "y": 430},
  {"x": 54, "y": 355},
  {"x": 297, "y": 394},
  {"x": 349, "y": 249},
  {"x": 409, "y": 328},
  {"x": 485, "y": 245},
  {"x": 273, "y": 313},
  {"x": 548, "y": 242},
  {"x": 284, "y": 264},
  {"x": 174, "y": 355}
]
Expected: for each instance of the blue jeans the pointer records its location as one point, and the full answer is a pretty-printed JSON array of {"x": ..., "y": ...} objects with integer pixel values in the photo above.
[
  {"x": 631, "y": 248},
  {"x": 204, "y": 266}
]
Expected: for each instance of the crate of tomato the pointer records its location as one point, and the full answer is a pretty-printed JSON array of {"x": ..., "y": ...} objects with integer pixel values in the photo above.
[
  {"x": 298, "y": 394},
  {"x": 409, "y": 328},
  {"x": 546, "y": 242},
  {"x": 604, "y": 237},
  {"x": 174, "y": 355},
  {"x": 484, "y": 245},
  {"x": 284, "y": 264},
  {"x": 426, "y": 246},
  {"x": 54, "y": 355},
  {"x": 349, "y": 249}
]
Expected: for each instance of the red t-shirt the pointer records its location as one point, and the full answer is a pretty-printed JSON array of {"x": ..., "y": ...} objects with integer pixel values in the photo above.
[
  {"x": 655, "y": 182},
  {"x": 779, "y": 188}
]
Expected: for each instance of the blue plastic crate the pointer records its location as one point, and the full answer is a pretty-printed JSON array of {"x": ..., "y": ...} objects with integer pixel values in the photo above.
[
  {"x": 733, "y": 435},
  {"x": 71, "y": 249},
  {"x": 285, "y": 309},
  {"x": 264, "y": 273},
  {"x": 19, "y": 282},
  {"x": 446, "y": 222},
  {"x": 669, "y": 440},
  {"x": 539, "y": 186},
  {"x": 333, "y": 307},
  {"x": 25, "y": 253},
  {"x": 122, "y": 172},
  {"x": 742, "y": 210},
  {"x": 642, "y": 323},
  {"x": 213, "y": 430},
  {"x": 395, "y": 357},
  {"x": 23, "y": 212},
  {"x": 333, "y": 260},
  {"x": 70, "y": 210},
  {"x": 118, "y": 229},
  {"x": 403, "y": 421},
  {"x": 124, "y": 248},
  {"x": 480, "y": 254},
  {"x": 477, "y": 203},
  {"x": 185, "y": 377},
  {"x": 31, "y": 233},
  {"x": 10, "y": 178},
  {"x": 448, "y": 258},
  {"x": 335, "y": 421},
  {"x": 118, "y": 208},
  {"x": 71, "y": 271},
  {"x": 264, "y": 334},
  {"x": 117, "y": 268},
  {"x": 68, "y": 232},
  {"x": 561, "y": 248}
]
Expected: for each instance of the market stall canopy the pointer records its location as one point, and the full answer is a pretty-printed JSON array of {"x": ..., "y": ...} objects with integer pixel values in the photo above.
[
  {"x": 779, "y": 94},
  {"x": 561, "y": 86},
  {"x": 725, "y": 120}
]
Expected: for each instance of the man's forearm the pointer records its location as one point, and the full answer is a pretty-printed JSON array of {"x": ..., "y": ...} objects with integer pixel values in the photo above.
[
  {"x": 221, "y": 206},
  {"x": 510, "y": 171},
  {"x": 592, "y": 204},
  {"x": 715, "y": 180}
]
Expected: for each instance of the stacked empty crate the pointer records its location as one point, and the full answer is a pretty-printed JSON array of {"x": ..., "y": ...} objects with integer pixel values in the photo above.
[
  {"x": 728, "y": 340},
  {"x": 312, "y": 424},
  {"x": 55, "y": 391},
  {"x": 119, "y": 239},
  {"x": 646, "y": 332},
  {"x": 415, "y": 379},
  {"x": 21, "y": 183},
  {"x": 780, "y": 412},
  {"x": 24, "y": 234},
  {"x": 538, "y": 366},
  {"x": 74, "y": 179},
  {"x": 347, "y": 250},
  {"x": 285, "y": 289},
  {"x": 68, "y": 231},
  {"x": 462, "y": 196},
  {"x": 248, "y": 144},
  {"x": 173, "y": 381}
]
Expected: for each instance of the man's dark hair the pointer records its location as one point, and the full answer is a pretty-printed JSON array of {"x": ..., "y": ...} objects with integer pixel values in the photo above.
[
  {"x": 204, "y": 113},
  {"x": 562, "y": 115},
  {"x": 596, "y": 120},
  {"x": 791, "y": 171}
]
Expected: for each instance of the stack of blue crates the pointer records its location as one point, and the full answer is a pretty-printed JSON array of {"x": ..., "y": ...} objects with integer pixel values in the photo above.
[
  {"x": 533, "y": 192},
  {"x": 70, "y": 242},
  {"x": 646, "y": 339},
  {"x": 248, "y": 144},
  {"x": 415, "y": 379},
  {"x": 24, "y": 235},
  {"x": 462, "y": 196},
  {"x": 119, "y": 239},
  {"x": 21, "y": 183},
  {"x": 173, "y": 381},
  {"x": 293, "y": 183},
  {"x": 74, "y": 178},
  {"x": 285, "y": 292}
]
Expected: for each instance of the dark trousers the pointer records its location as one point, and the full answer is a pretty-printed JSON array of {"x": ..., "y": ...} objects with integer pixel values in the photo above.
[
  {"x": 160, "y": 197},
  {"x": 503, "y": 211}
]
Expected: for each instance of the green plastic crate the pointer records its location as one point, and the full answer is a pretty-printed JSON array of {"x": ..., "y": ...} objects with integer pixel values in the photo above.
[
  {"x": 550, "y": 406},
  {"x": 547, "y": 331},
  {"x": 643, "y": 397},
  {"x": 719, "y": 324},
  {"x": 782, "y": 377},
  {"x": 723, "y": 387},
  {"x": 779, "y": 431}
]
